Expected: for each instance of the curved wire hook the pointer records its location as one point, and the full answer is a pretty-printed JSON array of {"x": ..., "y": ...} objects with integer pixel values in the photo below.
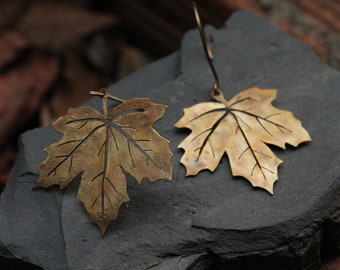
[{"x": 208, "y": 52}]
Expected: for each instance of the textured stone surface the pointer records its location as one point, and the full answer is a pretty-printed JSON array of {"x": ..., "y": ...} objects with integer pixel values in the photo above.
[{"x": 212, "y": 220}]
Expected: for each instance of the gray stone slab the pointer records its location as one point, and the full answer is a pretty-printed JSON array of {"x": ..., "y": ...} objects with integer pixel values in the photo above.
[{"x": 212, "y": 220}]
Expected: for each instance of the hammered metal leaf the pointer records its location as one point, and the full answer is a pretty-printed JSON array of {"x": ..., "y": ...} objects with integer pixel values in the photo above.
[
  {"x": 241, "y": 128},
  {"x": 103, "y": 147}
]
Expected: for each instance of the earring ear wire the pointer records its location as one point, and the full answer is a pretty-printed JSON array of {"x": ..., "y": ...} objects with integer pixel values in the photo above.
[
  {"x": 208, "y": 52},
  {"x": 240, "y": 127}
]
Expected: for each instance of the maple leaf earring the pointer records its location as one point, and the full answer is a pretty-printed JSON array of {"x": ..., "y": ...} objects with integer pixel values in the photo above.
[
  {"x": 102, "y": 147},
  {"x": 241, "y": 127}
]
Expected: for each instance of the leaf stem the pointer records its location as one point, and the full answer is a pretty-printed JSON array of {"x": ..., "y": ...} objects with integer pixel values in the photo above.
[{"x": 102, "y": 93}]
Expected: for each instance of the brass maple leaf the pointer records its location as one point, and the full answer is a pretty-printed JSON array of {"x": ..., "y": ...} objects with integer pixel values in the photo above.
[
  {"x": 241, "y": 128},
  {"x": 102, "y": 147}
]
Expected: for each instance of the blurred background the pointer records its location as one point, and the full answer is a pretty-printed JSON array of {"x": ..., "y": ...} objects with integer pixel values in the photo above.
[{"x": 53, "y": 52}]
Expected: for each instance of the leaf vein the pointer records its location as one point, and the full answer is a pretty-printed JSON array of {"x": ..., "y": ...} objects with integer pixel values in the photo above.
[
  {"x": 213, "y": 128},
  {"x": 257, "y": 162},
  {"x": 279, "y": 126},
  {"x": 135, "y": 144},
  {"x": 74, "y": 149}
]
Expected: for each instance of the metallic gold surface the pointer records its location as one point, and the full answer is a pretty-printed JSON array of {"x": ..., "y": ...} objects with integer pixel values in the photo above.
[
  {"x": 102, "y": 148},
  {"x": 241, "y": 128}
]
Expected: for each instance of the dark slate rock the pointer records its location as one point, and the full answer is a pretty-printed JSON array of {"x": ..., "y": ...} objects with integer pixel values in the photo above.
[{"x": 212, "y": 220}]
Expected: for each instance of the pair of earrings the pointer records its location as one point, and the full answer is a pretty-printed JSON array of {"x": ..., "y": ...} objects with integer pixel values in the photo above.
[{"x": 102, "y": 147}]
